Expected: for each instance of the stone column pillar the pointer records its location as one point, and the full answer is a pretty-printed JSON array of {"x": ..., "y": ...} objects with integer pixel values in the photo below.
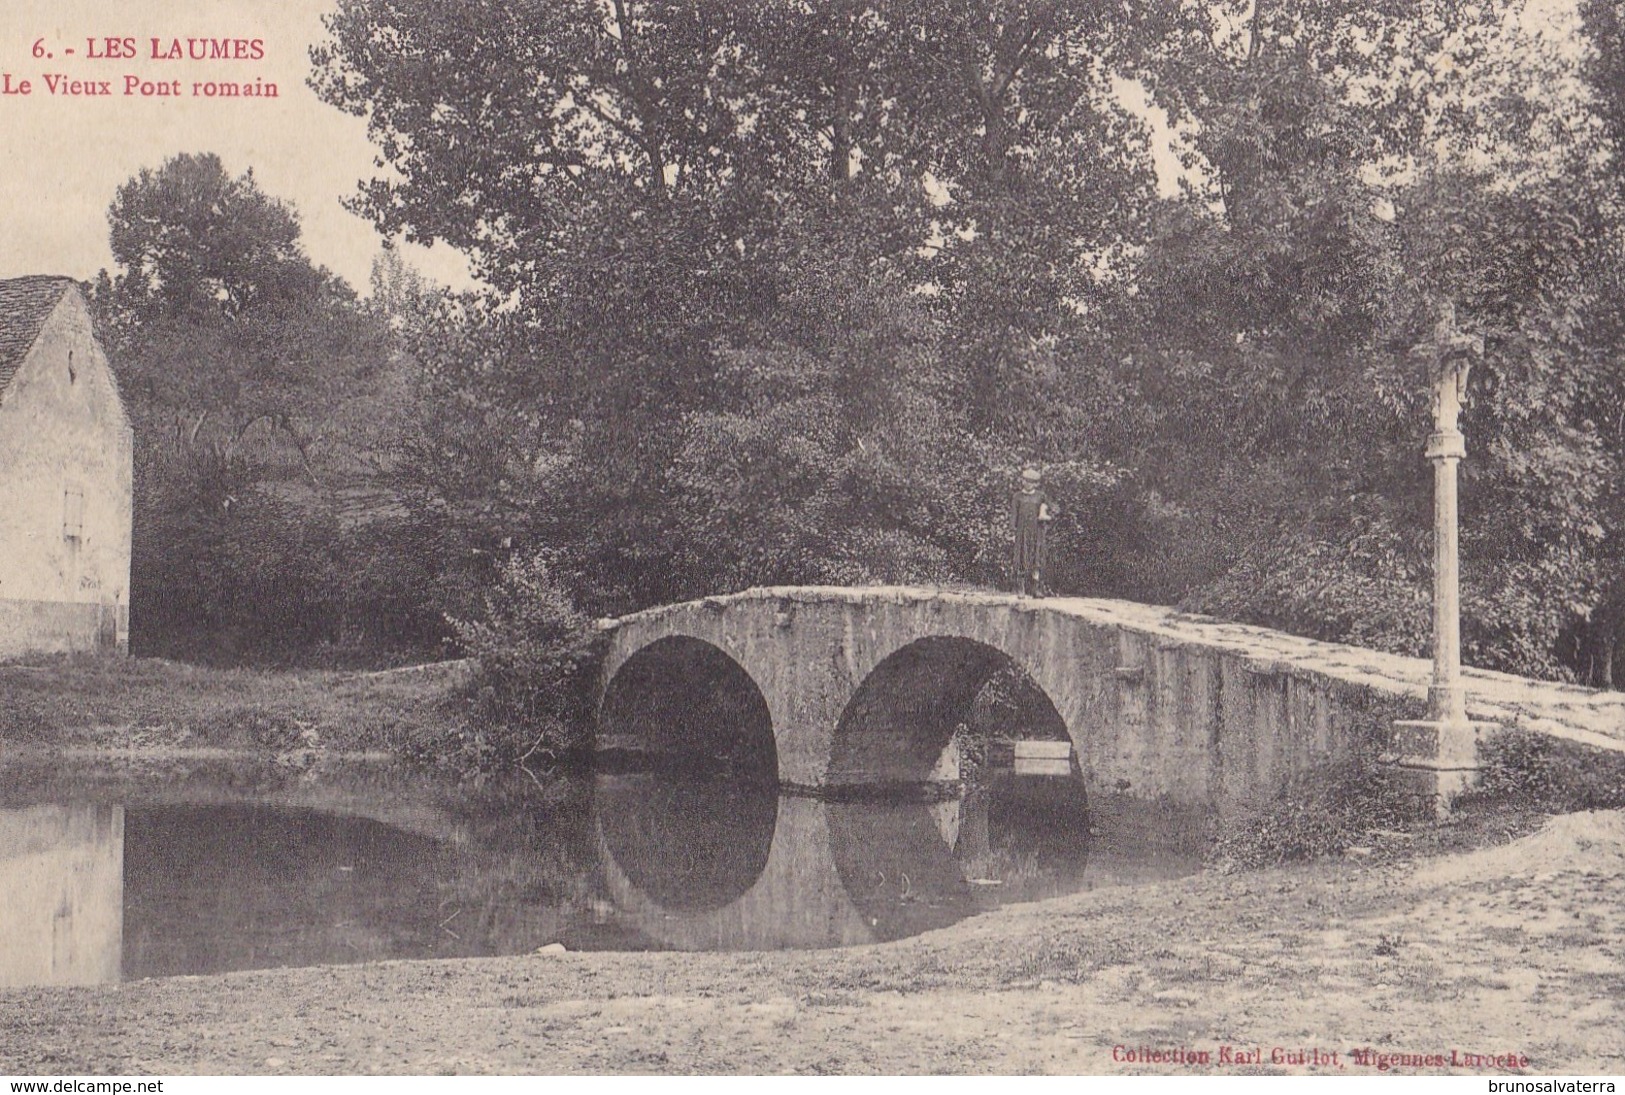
[
  {"x": 1442, "y": 750},
  {"x": 1447, "y": 697}
]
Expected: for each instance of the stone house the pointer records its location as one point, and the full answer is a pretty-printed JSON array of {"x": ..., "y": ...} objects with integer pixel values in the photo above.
[{"x": 65, "y": 477}]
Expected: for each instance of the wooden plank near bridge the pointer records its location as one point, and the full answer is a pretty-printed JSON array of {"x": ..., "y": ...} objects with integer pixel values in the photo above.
[
  {"x": 1042, "y": 766},
  {"x": 1031, "y": 758},
  {"x": 1043, "y": 750}
]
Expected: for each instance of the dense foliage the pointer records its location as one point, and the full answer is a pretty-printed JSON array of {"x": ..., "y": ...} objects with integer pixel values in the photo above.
[
  {"x": 258, "y": 530},
  {"x": 536, "y": 653},
  {"x": 787, "y": 292}
]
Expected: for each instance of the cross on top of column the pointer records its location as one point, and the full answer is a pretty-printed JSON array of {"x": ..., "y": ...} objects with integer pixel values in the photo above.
[
  {"x": 1448, "y": 357},
  {"x": 1450, "y": 349}
]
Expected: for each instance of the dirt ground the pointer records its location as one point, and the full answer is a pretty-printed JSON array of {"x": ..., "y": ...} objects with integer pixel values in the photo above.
[{"x": 1515, "y": 950}]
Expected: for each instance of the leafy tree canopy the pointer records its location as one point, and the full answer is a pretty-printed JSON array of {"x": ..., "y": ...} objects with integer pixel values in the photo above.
[{"x": 784, "y": 291}]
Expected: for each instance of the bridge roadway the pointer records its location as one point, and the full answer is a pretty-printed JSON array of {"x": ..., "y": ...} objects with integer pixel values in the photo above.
[{"x": 840, "y": 685}]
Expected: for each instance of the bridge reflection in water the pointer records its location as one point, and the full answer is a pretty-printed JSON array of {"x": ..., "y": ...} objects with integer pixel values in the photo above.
[
  {"x": 812, "y": 873},
  {"x": 693, "y": 845},
  {"x": 788, "y": 872},
  {"x": 96, "y": 893}
]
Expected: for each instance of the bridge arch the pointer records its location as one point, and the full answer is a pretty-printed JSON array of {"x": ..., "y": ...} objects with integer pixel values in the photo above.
[
  {"x": 809, "y": 652},
  {"x": 682, "y": 699},
  {"x": 1160, "y": 706},
  {"x": 903, "y": 715}
]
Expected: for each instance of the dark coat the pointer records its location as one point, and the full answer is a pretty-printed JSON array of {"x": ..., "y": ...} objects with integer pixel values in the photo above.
[{"x": 1030, "y": 513}]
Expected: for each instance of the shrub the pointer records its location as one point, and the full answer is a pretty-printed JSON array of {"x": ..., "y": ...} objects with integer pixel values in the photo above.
[
  {"x": 530, "y": 694},
  {"x": 1321, "y": 815},
  {"x": 1324, "y": 812},
  {"x": 1550, "y": 774}
]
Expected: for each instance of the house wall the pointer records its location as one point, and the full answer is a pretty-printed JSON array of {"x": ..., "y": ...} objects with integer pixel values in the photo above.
[{"x": 63, "y": 429}]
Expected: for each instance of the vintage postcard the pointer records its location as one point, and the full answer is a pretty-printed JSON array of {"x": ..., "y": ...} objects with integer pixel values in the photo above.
[{"x": 856, "y": 537}]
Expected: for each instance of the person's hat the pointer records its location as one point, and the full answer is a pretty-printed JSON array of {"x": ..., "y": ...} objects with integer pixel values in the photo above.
[{"x": 1031, "y": 475}]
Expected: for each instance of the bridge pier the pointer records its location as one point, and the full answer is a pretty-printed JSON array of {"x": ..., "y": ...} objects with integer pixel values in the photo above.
[{"x": 867, "y": 685}]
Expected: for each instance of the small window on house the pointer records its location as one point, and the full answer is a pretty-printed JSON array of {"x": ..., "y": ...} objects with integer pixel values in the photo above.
[
  {"x": 72, "y": 374},
  {"x": 73, "y": 514}
]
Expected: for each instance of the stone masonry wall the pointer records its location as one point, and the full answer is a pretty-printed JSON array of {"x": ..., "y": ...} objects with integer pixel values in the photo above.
[
  {"x": 1159, "y": 705},
  {"x": 62, "y": 431}
]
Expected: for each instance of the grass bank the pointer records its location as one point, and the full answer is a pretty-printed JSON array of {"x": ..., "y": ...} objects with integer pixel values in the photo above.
[{"x": 153, "y": 704}]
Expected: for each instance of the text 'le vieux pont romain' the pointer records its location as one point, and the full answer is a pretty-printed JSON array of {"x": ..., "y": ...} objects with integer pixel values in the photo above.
[{"x": 147, "y": 84}]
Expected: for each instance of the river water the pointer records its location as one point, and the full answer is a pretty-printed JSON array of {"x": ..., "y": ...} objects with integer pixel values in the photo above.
[{"x": 119, "y": 871}]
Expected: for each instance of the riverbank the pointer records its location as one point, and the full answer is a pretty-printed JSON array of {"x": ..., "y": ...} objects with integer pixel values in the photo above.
[
  {"x": 1510, "y": 950},
  {"x": 154, "y": 706},
  {"x": 1407, "y": 944}
]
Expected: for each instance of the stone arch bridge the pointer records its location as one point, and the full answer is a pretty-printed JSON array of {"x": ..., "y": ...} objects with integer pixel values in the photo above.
[{"x": 836, "y": 686}]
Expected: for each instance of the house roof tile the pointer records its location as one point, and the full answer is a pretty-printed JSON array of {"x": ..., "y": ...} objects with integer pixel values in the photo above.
[{"x": 24, "y": 305}]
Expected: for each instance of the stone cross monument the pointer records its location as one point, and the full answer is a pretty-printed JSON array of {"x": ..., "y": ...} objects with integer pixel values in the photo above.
[{"x": 1443, "y": 748}]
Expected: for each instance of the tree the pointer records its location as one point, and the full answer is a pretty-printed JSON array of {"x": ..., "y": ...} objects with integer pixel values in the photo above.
[
  {"x": 785, "y": 292},
  {"x": 221, "y": 320},
  {"x": 242, "y": 364},
  {"x": 673, "y": 204},
  {"x": 191, "y": 240},
  {"x": 1283, "y": 314},
  {"x": 1603, "y": 26}
]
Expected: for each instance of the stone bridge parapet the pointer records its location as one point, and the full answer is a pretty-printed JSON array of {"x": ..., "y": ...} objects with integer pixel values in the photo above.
[{"x": 865, "y": 684}]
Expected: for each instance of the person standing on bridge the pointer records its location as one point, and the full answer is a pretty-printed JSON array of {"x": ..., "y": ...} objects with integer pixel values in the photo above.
[{"x": 1032, "y": 515}]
